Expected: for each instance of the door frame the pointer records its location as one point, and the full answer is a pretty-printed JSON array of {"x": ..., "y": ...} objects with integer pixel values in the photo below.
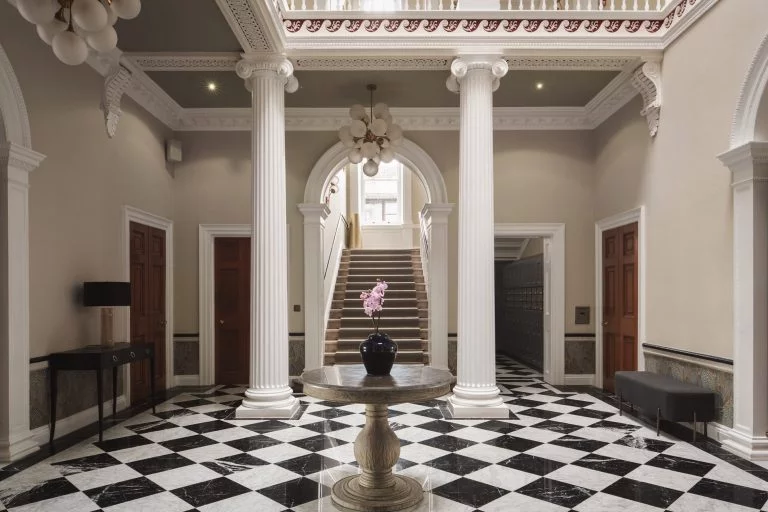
[
  {"x": 615, "y": 221},
  {"x": 207, "y": 234},
  {"x": 132, "y": 214},
  {"x": 554, "y": 291}
]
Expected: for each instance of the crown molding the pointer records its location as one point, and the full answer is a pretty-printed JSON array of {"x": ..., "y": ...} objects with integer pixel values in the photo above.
[
  {"x": 163, "y": 61},
  {"x": 615, "y": 95},
  {"x": 245, "y": 22}
]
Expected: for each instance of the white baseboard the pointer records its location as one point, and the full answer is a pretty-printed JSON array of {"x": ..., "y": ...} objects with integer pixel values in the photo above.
[
  {"x": 77, "y": 421},
  {"x": 582, "y": 379},
  {"x": 186, "y": 380},
  {"x": 748, "y": 447}
]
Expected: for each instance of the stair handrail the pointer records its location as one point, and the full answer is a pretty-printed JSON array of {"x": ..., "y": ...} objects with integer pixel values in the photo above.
[
  {"x": 424, "y": 252},
  {"x": 333, "y": 243}
]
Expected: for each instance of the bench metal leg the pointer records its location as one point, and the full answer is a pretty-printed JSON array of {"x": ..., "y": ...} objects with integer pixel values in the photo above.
[
  {"x": 705, "y": 431},
  {"x": 694, "y": 426},
  {"x": 620, "y": 402},
  {"x": 658, "y": 420}
]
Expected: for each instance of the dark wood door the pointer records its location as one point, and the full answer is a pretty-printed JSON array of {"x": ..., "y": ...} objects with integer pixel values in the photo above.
[
  {"x": 619, "y": 302},
  {"x": 148, "y": 322},
  {"x": 232, "y": 298}
]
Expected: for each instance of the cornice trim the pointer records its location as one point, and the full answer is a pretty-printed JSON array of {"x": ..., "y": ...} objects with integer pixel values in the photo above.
[{"x": 163, "y": 61}]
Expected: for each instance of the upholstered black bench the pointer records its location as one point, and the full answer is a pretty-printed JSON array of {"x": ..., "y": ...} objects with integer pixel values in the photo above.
[{"x": 671, "y": 399}]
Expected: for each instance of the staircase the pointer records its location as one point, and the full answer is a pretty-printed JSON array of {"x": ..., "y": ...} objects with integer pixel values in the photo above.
[{"x": 404, "y": 317}]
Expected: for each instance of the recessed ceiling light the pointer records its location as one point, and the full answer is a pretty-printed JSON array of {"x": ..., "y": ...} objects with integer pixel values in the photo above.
[
  {"x": 539, "y": 86},
  {"x": 211, "y": 86}
]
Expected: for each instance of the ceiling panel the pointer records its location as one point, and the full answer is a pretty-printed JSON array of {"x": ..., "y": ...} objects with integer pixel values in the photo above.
[
  {"x": 397, "y": 89},
  {"x": 177, "y": 26}
]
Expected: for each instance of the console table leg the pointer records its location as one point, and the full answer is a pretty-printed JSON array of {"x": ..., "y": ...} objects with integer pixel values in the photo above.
[
  {"x": 54, "y": 384},
  {"x": 100, "y": 400},
  {"x": 377, "y": 489},
  {"x": 152, "y": 382},
  {"x": 114, "y": 392}
]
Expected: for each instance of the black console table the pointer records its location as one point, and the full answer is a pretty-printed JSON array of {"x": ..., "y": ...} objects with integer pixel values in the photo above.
[{"x": 99, "y": 358}]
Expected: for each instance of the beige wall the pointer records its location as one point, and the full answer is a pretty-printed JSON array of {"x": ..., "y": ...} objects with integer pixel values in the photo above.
[
  {"x": 76, "y": 195},
  {"x": 540, "y": 176},
  {"x": 685, "y": 189},
  {"x": 761, "y": 128},
  {"x": 213, "y": 186}
]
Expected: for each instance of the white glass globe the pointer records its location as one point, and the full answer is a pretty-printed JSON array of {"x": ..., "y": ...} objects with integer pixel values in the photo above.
[
  {"x": 111, "y": 15},
  {"x": 387, "y": 155},
  {"x": 355, "y": 156},
  {"x": 380, "y": 109},
  {"x": 38, "y": 12},
  {"x": 370, "y": 149},
  {"x": 90, "y": 15},
  {"x": 357, "y": 128},
  {"x": 346, "y": 137},
  {"x": 379, "y": 127},
  {"x": 127, "y": 9},
  {"x": 357, "y": 112},
  {"x": 102, "y": 41},
  {"x": 70, "y": 48},
  {"x": 395, "y": 134},
  {"x": 48, "y": 31},
  {"x": 370, "y": 168}
]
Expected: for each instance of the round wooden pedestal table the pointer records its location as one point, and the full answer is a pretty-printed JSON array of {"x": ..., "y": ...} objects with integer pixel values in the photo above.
[{"x": 377, "y": 448}]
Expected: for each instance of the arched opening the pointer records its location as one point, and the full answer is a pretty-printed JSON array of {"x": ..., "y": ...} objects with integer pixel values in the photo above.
[
  {"x": 751, "y": 100},
  {"x": 325, "y": 235}
]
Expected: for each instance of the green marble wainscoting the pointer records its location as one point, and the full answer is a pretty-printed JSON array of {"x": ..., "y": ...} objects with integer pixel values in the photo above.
[
  {"x": 579, "y": 354},
  {"x": 77, "y": 393},
  {"x": 186, "y": 354},
  {"x": 713, "y": 375},
  {"x": 295, "y": 355},
  {"x": 452, "y": 357}
]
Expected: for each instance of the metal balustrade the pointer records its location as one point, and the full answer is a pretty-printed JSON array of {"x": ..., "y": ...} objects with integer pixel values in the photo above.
[{"x": 384, "y": 6}]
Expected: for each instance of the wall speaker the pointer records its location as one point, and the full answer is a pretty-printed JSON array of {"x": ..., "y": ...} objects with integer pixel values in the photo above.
[{"x": 173, "y": 150}]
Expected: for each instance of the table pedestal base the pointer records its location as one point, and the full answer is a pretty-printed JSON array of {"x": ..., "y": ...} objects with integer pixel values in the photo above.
[{"x": 349, "y": 494}]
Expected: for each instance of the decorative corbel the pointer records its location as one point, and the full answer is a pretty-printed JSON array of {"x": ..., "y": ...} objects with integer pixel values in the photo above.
[
  {"x": 114, "y": 86},
  {"x": 647, "y": 80}
]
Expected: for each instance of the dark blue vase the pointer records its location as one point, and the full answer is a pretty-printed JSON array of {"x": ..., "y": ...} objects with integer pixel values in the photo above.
[{"x": 378, "y": 353}]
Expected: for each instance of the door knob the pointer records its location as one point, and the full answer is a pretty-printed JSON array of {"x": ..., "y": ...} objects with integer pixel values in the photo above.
[
  {"x": 221, "y": 322},
  {"x": 605, "y": 323},
  {"x": 163, "y": 323}
]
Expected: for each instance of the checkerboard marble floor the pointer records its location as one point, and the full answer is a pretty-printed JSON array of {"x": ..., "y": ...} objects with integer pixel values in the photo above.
[{"x": 557, "y": 452}]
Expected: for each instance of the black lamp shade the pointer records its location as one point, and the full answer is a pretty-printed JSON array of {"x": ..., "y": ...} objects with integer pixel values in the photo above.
[{"x": 106, "y": 294}]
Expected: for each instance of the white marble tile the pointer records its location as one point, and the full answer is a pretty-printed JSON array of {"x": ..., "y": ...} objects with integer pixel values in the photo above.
[
  {"x": 345, "y": 434},
  {"x": 330, "y": 476},
  {"x": 229, "y": 434},
  {"x": 168, "y": 434},
  {"x": 557, "y": 453},
  {"x": 479, "y": 435},
  {"x": 411, "y": 419},
  {"x": 183, "y": 476},
  {"x": 609, "y": 503},
  {"x": 408, "y": 407},
  {"x": 189, "y": 419},
  {"x": 537, "y": 434},
  {"x": 205, "y": 409},
  {"x": 618, "y": 451},
  {"x": 687, "y": 451},
  {"x": 694, "y": 502},
  {"x": 663, "y": 477},
  {"x": 354, "y": 420},
  {"x": 514, "y": 502},
  {"x": 140, "y": 452},
  {"x": 420, "y": 453},
  {"x": 262, "y": 477},
  {"x": 291, "y": 434},
  {"x": 429, "y": 478},
  {"x": 503, "y": 477},
  {"x": 76, "y": 502},
  {"x": 210, "y": 452},
  {"x": 279, "y": 452},
  {"x": 598, "y": 434},
  {"x": 343, "y": 453},
  {"x": 162, "y": 502},
  {"x": 729, "y": 473},
  {"x": 249, "y": 502},
  {"x": 104, "y": 476},
  {"x": 583, "y": 477},
  {"x": 575, "y": 419},
  {"x": 487, "y": 453}
]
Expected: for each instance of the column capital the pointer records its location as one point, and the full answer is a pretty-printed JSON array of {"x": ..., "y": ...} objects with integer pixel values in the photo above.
[
  {"x": 437, "y": 213},
  {"x": 275, "y": 66},
  {"x": 314, "y": 212},
  {"x": 495, "y": 65},
  {"x": 748, "y": 162},
  {"x": 19, "y": 157}
]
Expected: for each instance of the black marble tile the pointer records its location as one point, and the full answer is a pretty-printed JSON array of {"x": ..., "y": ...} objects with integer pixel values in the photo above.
[
  {"x": 442, "y": 426},
  {"x": 531, "y": 464},
  {"x": 731, "y": 493},
  {"x": 223, "y": 414},
  {"x": 267, "y": 426},
  {"x": 325, "y": 426},
  {"x": 592, "y": 413},
  {"x": 187, "y": 443},
  {"x": 558, "y": 426},
  {"x": 232, "y": 403},
  {"x": 317, "y": 443},
  {"x": 211, "y": 491},
  {"x": 645, "y": 443},
  {"x": 579, "y": 443},
  {"x": 43, "y": 491},
  {"x": 159, "y": 464},
  {"x": 553, "y": 491},
  {"x": 152, "y": 426},
  {"x": 653, "y": 495},
  {"x": 469, "y": 492},
  {"x": 433, "y": 413},
  {"x": 308, "y": 464},
  {"x": 248, "y": 444},
  {"x": 121, "y": 443},
  {"x": 448, "y": 443},
  {"x": 502, "y": 427},
  {"x": 330, "y": 414},
  {"x": 295, "y": 492},
  {"x": 524, "y": 402},
  {"x": 457, "y": 464},
  {"x": 517, "y": 444},
  {"x": 120, "y": 492},
  {"x": 540, "y": 413},
  {"x": 193, "y": 403},
  {"x": 391, "y": 413},
  {"x": 83, "y": 464},
  {"x": 606, "y": 464},
  {"x": 681, "y": 465},
  {"x": 616, "y": 426},
  {"x": 570, "y": 402},
  {"x": 175, "y": 413},
  {"x": 234, "y": 463},
  {"x": 328, "y": 403},
  {"x": 209, "y": 426}
]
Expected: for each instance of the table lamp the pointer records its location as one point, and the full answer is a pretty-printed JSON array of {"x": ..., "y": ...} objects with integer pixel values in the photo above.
[{"x": 106, "y": 295}]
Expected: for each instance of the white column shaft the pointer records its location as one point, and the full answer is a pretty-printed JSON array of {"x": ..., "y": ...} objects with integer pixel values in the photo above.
[
  {"x": 476, "y": 393},
  {"x": 15, "y": 165},
  {"x": 269, "y": 394}
]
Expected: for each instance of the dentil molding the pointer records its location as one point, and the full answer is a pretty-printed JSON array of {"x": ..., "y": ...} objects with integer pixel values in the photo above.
[
  {"x": 184, "y": 61},
  {"x": 647, "y": 80},
  {"x": 114, "y": 86}
]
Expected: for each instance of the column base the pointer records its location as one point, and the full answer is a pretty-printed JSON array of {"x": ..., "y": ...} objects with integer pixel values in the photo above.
[
  {"x": 744, "y": 445},
  {"x": 260, "y": 405},
  {"x": 477, "y": 403},
  {"x": 20, "y": 448}
]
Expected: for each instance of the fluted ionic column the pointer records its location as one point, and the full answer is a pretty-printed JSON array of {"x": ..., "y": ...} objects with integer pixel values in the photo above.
[
  {"x": 269, "y": 395},
  {"x": 476, "y": 395}
]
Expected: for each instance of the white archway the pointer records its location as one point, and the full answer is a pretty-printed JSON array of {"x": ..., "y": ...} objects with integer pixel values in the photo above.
[
  {"x": 434, "y": 249},
  {"x": 17, "y": 160},
  {"x": 752, "y": 89}
]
